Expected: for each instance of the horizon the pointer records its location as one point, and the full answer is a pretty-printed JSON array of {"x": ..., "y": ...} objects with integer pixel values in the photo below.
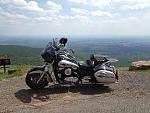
[
  {"x": 41, "y": 41},
  {"x": 77, "y": 36}
]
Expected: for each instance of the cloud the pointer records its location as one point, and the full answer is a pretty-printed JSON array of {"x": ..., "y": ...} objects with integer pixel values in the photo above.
[
  {"x": 97, "y": 3},
  {"x": 14, "y": 2},
  {"x": 124, "y": 14},
  {"x": 130, "y": 19},
  {"x": 84, "y": 12},
  {"x": 53, "y": 7},
  {"x": 79, "y": 11},
  {"x": 46, "y": 18},
  {"x": 22, "y": 4},
  {"x": 100, "y": 3},
  {"x": 93, "y": 3},
  {"x": 32, "y": 6},
  {"x": 100, "y": 13},
  {"x": 79, "y": 1},
  {"x": 133, "y": 4},
  {"x": 136, "y": 6},
  {"x": 13, "y": 16},
  {"x": 22, "y": 9}
]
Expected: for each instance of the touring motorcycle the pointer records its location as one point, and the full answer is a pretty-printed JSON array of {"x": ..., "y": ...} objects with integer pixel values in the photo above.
[{"x": 65, "y": 69}]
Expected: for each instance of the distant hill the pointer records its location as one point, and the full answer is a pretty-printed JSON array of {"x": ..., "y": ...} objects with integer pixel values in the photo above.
[
  {"x": 21, "y": 54},
  {"x": 126, "y": 50},
  {"x": 25, "y": 55}
]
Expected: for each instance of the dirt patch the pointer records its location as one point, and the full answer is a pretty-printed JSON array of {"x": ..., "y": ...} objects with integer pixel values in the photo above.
[{"x": 130, "y": 95}]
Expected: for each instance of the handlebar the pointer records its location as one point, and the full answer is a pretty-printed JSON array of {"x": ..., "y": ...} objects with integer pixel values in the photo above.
[{"x": 60, "y": 49}]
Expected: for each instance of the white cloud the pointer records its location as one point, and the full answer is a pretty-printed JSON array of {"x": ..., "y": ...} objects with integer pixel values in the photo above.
[
  {"x": 124, "y": 4},
  {"x": 53, "y": 7},
  {"x": 135, "y": 7},
  {"x": 120, "y": 15},
  {"x": 14, "y": 2},
  {"x": 130, "y": 19},
  {"x": 133, "y": 4},
  {"x": 32, "y": 6},
  {"x": 22, "y": 4},
  {"x": 101, "y": 3},
  {"x": 13, "y": 16},
  {"x": 89, "y": 14},
  {"x": 79, "y": 1},
  {"x": 47, "y": 18},
  {"x": 81, "y": 17},
  {"x": 15, "y": 8},
  {"x": 79, "y": 11},
  {"x": 100, "y": 13},
  {"x": 95, "y": 3},
  {"x": 77, "y": 18}
]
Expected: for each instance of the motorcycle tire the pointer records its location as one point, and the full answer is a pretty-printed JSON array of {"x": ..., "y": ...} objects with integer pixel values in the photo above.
[{"x": 31, "y": 81}]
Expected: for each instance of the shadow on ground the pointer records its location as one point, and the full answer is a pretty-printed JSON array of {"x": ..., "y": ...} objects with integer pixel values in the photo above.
[{"x": 25, "y": 95}]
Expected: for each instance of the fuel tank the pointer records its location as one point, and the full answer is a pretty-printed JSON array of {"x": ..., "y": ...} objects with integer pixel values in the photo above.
[
  {"x": 66, "y": 63},
  {"x": 105, "y": 76}
]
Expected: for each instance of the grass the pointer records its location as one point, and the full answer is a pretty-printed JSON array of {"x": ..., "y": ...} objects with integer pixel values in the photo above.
[
  {"x": 123, "y": 68},
  {"x": 14, "y": 70},
  {"x": 22, "y": 69},
  {"x": 147, "y": 71},
  {"x": 127, "y": 69}
]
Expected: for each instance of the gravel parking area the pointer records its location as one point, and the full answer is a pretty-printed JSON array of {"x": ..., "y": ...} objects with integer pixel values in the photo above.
[{"x": 130, "y": 95}]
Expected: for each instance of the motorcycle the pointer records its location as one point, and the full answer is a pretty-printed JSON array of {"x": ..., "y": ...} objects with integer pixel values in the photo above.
[{"x": 65, "y": 69}]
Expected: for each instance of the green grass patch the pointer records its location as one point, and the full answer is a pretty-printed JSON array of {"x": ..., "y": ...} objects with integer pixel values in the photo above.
[
  {"x": 14, "y": 70},
  {"x": 19, "y": 70},
  {"x": 122, "y": 68},
  {"x": 147, "y": 71},
  {"x": 127, "y": 69}
]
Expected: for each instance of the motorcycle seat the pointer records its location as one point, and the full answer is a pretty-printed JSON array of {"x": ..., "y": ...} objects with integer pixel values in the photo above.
[
  {"x": 98, "y": 59},
  {"x": 86, "y": 64}
]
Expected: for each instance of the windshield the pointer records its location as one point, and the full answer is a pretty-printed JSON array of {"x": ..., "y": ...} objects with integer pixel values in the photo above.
[
  {"x": 58, "y": 49},
  {"x": 51, "y": 45}
]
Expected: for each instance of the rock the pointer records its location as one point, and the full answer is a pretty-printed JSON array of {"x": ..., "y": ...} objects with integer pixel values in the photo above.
[{"x": 140, "y": 65}]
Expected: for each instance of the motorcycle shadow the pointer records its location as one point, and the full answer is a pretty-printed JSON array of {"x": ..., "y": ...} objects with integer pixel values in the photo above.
[{"x": 26, "y": 95}]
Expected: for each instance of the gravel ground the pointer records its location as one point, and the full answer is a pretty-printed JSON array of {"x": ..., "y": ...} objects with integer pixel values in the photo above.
[{"x": 130, "y": 95}]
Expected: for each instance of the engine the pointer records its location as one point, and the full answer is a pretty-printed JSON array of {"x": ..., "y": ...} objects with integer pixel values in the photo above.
[
  {"x": 68, "y": 75},
  {"x": 67, "y": 71}
]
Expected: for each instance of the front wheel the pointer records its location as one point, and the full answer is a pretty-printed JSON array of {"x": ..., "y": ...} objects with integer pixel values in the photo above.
[{"x": 32, "y": 79}]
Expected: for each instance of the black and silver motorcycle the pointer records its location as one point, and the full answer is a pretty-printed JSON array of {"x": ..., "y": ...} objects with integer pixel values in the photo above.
[{"x": 65, "y": 69}]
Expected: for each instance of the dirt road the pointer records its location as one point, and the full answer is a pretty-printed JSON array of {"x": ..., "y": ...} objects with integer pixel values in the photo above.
[{"x": 130, "y": 95}]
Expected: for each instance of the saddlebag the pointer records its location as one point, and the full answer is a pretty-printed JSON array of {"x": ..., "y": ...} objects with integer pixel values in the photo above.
[{"x": 104, "y": 74}]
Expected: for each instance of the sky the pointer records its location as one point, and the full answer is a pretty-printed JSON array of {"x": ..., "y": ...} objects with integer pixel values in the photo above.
[{"x": 74, "y": 17}]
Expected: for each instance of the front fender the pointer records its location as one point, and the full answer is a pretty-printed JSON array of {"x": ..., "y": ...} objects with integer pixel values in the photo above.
[
  {"x": 36, "y": 70},
  {"x": 39, "y": 70}
]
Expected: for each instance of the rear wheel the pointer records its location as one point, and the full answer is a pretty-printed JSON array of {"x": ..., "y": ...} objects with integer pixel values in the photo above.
[{"x": 32, "y": 79}]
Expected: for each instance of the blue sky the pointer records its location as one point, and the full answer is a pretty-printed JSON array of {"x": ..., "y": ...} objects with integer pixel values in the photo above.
[{"x": 74, "y": 17}]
